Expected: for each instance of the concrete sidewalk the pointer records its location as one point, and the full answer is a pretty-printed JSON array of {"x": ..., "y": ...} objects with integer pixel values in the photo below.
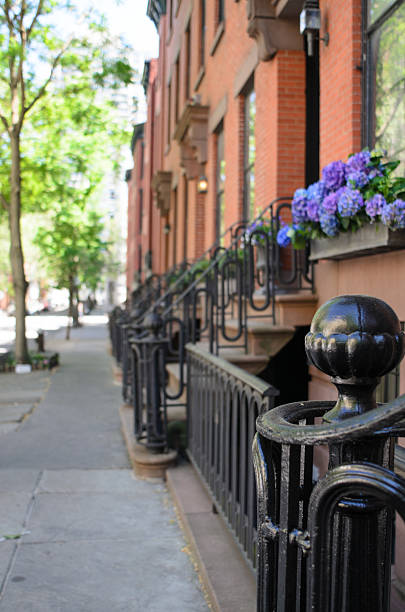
[{"x": 78, "y": 532}]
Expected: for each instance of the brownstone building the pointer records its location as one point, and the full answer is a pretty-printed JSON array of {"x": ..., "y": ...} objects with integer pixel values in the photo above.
[{"x": 241, "y": 98}]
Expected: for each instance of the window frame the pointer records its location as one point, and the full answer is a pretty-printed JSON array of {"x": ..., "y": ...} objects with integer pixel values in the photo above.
[
  {"x": 248, "y": 167},
  {"x": 219, "y": 188},
  {"x": 368, "y": 128}
]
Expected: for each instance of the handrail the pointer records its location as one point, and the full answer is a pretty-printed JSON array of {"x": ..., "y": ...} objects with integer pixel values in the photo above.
[
  {"x": 181, "y": 278},
  {"x": 215, "y": 262}
]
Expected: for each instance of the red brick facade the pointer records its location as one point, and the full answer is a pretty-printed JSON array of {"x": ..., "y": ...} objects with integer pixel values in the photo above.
[{"x": 180, "y": 146}]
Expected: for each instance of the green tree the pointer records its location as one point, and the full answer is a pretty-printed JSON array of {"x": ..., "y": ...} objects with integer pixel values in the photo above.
[
  {"x": 32, "y": 57},
  {"x": 73, "y": 251}
]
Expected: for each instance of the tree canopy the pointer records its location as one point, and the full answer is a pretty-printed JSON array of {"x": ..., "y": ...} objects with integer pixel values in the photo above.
[{"x": 56, "y": 111}]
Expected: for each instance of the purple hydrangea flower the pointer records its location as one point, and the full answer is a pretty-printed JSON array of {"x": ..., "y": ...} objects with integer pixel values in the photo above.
[
  {"x": 358, "y": 162},
  {"x": 329, "y": 223},
  {"x": 375, "y": 205},
  {"x": 313, "y": 210},
  {"x": 282, "y": 239},
  {"x": 350, "y": 202},
  {"x": 299, "y": 206},
  {"x": 360, "y": 170},
  {"x": 334, "y": 175},
  {"x": 393, "y": 214},
  {"x": 315, "y": 194},
  {"x": 330, "y": 202}
]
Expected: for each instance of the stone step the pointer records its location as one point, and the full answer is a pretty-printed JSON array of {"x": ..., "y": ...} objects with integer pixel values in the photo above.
[
  {"x": 290, "y": 308},
  {"x": 264, "y": 338}
]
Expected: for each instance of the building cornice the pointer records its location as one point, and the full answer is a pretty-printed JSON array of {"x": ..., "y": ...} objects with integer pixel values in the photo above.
[
  {"x": 155, "y": 9},
  {"x": 274, "y": 25}
]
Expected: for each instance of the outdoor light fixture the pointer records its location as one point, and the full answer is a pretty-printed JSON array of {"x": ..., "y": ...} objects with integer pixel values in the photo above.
[
  {"x": 310, "y": 24},
  {"x": 202, "y": 184},
  {"x": 166, "y": 228}
]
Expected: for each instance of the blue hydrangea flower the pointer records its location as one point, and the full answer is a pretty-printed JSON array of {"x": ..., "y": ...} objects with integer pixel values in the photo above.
[
  {"x": 350, "y": 202},
  {"x": 317, "y": 191},
  {"x": 329, "y": 223},
  {"x": 393, "y": 214},
  {"x": 299, "y": 206},
  {"x": 334, "y": 175},
  {"x": 282, "y": 239},
  {"x": 358, "y": 179},
  {"x": 375, "y": 205}
]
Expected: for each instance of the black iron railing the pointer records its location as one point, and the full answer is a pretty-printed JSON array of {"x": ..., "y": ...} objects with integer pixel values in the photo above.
[
  {"x": 223, "y": 403},
  {"x": 327, "y": 547},
  {"x": 212, "y": 301}
]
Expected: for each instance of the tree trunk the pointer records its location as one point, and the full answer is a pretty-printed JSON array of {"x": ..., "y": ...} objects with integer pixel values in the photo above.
[
  {"x": 16, "y": 252},
  {"x": 76, "y": 308},
  {"x": 71, "y": 308}
]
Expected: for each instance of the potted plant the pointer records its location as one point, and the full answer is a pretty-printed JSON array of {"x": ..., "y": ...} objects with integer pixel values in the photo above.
[{"x": 357, "y": 208}]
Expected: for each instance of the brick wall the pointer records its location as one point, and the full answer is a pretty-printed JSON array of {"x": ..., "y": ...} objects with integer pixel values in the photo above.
[{"x": 340, "y": 80}]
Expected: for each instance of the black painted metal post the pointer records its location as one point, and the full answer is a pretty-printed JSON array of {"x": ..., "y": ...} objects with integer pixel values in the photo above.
[
  {"x": 327, "y": 547},
  {"x": 149, "y": 396},
  {"x": 356, "y": 340}
]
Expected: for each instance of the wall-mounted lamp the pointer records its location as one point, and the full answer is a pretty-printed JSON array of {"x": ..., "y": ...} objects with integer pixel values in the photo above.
[
  {"x": 202, "y": 184},
  {"x": 166, "y": 228},
  {"x": 310, "y": 24}
]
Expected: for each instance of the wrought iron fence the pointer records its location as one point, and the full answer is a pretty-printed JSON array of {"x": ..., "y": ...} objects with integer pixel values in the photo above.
[
  {"x": 327, "y": 547},
  {"x": 211, "y": 301},
  {"x": 223, "y": 403}
]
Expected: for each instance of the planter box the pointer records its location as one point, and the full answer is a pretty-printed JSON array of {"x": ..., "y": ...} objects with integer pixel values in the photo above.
[{"x": 368, "y": 240}]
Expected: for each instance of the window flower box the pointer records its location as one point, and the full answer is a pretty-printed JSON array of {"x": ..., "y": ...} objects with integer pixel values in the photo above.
[{"x": 367, "y": 240}]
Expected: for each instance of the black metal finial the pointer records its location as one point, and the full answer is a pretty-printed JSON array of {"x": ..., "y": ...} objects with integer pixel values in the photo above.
[
  {"x": 154, "y": 323},
  {"x": 355, "y": 339}
]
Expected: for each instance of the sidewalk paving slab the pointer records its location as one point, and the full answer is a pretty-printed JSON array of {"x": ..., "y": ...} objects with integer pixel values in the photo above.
[{"x": 99, "y": 540}]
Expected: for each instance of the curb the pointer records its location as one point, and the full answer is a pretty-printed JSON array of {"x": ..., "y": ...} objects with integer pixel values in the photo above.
[{"x": 144, "y": 463}]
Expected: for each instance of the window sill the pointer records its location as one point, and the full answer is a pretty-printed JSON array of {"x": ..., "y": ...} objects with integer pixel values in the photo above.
[
  {"x": 199, "y": 78},
  {"x": 218, "y": 35}
]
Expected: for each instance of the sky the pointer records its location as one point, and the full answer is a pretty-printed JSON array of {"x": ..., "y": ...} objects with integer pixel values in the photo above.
[{"x": 128, "y": 18}]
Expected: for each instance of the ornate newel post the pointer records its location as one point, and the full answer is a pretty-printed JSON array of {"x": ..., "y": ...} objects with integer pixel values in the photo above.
[
  {"x": 149, "y": 398},
  {"x": 328, "y": 547}
]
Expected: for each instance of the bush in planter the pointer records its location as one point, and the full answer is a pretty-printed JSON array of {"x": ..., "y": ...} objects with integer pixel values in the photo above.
[
  {"x": 349, "y": 196},
  {"x": 259, "y": 232}
]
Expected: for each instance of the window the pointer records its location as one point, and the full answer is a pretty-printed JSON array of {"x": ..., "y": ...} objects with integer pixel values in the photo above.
[
  {"x": 169, "y": 112},
  {"x": 170, "y": 15},
  {"x": 177, "y": 92},
  {"x": 384, "y": 77},
  {"x": 185, "y": 217},
  {"x": 220, "y": 11},
  {"x": 142, "y": 158},
  {"x": 174, "y": 232},
  {"x": 220, "y": 182},
  {"x": 187, "y": 64},
  {"x": 249, "y": 155},
  {"x": 202, "y": 32},
  {"x": 140, "y": 201}
]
